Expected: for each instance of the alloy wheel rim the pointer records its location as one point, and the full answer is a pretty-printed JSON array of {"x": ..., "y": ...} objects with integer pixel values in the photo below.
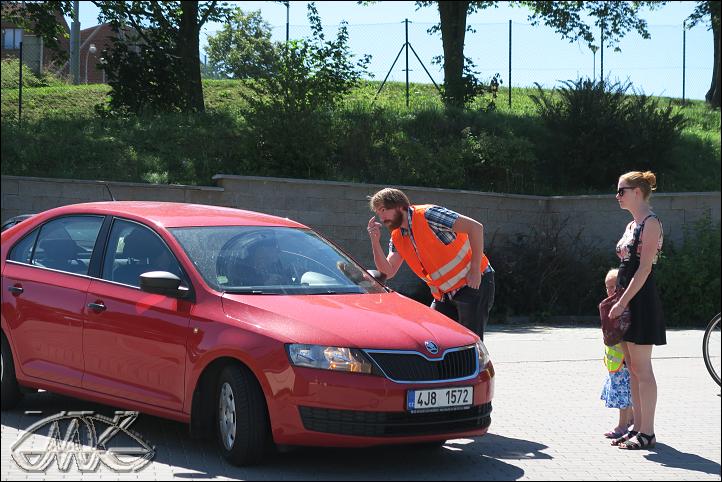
[{"x": 227, "y": 416}]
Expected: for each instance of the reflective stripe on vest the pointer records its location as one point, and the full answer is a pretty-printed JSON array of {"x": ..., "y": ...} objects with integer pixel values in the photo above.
[
  {"x": 465, "y": 249},
  {"x": 613, "y": 358}
]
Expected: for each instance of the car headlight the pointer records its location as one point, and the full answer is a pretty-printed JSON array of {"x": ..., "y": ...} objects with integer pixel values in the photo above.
[
  {"x": 483, "y": 353},
  {"x": 329, "y": 358}
]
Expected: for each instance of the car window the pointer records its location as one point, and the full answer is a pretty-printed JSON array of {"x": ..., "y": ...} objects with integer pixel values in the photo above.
[
  {"x": 272, "y": 260},
  {"x": 67, "y": 243},
  {"x": 23, "y": 251},
  {"x": 134, "y": 249}
]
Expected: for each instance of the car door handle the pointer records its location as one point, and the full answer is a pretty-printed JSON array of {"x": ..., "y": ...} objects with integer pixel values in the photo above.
[
  {"x": 97, "y": 307},
  {"x": 16, "y": 290}
]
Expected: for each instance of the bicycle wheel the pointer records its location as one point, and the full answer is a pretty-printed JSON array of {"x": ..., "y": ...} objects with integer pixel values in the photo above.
[{"x": 711, "y": 348}]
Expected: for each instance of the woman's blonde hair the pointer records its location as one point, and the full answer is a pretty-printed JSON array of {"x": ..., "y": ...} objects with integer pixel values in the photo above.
[{"x": 646, "y": 181}]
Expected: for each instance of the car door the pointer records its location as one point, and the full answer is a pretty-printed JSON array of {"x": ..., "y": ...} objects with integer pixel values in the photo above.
[
  {"x": 45, "y": 283},
  {"x": 135, "y": 342}
]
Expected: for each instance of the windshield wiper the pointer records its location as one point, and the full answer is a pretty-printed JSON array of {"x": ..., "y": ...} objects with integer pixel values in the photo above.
[{"x": 249, "y": 291}]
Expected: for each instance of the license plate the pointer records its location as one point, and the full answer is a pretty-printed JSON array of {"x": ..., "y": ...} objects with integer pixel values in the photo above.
[{"x": 439, "y": 399}]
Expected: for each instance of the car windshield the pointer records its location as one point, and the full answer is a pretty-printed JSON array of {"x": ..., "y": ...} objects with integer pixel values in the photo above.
[{"x": 272, "y": 260}]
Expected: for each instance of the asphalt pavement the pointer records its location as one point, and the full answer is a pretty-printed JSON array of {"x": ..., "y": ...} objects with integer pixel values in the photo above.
[{"x": 547, "y": 424}]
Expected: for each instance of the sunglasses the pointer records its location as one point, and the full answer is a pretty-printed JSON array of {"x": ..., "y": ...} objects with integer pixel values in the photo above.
[{"x": 620, "y": 191}]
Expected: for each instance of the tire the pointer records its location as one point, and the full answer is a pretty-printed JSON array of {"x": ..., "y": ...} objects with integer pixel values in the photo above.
[
  {"x": 711, "y": 337},
  {"x": 242, "y": 426},
  {"x": 10, "y": 394}
]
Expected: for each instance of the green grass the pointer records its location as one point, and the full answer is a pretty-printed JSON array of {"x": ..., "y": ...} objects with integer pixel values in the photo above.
[{"x": 62, "y": 134}]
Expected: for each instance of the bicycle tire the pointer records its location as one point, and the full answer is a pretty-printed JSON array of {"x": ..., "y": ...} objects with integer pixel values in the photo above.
[{"x": 711, "y": 327}]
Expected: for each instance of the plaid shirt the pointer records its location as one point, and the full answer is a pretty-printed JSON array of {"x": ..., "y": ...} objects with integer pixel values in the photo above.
[{"x": 441, "y": 221}]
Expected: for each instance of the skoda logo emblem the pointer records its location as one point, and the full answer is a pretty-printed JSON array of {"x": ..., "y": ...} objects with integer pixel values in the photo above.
[{"x": 431, "y": 346}]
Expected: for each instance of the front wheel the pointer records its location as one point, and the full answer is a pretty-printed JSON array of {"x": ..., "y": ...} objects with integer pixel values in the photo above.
[
  {"x": 242, "y": 423},
  {"x": 711, "y": 348}
]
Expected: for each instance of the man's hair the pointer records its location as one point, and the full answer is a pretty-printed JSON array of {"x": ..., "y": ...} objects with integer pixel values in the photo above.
[{"x": 388, "y": 198}]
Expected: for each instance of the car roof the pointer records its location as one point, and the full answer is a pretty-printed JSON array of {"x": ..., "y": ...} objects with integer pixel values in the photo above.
[{"x": 174, "y": 215}]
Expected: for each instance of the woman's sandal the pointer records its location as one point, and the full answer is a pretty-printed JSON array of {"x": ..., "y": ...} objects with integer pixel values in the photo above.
[
  {"x": 640, "y": 441},
  {"x": 615, "y": 433},
  {"x": 624, "y": 437}
]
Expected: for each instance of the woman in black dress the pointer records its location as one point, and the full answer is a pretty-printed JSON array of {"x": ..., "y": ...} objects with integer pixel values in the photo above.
[{"x": 636, "y": 274}]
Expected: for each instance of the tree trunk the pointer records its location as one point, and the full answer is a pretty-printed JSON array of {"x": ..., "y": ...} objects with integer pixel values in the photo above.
[
  {"x": 713, "y": 95},
  {"x": 190, "y": 61},
  {"x": 453, "y": 30}
]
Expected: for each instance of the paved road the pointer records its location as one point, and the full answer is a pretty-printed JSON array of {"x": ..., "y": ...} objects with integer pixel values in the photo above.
[{"x": 547, "y": 425}]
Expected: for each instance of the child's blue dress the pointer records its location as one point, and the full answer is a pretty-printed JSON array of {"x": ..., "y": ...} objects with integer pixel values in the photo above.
[{"x": 616, "y": 392}]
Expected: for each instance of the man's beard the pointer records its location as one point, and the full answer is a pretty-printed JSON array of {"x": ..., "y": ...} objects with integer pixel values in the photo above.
[{"x": 396, "y": 222}]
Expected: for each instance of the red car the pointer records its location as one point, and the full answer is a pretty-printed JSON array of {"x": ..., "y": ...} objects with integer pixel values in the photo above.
[{"x": 251, "y": 328}]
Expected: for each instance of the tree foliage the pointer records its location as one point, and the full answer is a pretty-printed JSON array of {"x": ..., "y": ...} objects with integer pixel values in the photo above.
[
  {"x": 292, "y": 101},
  {"x": 154, "y": 63},
  {"x": 41, "y": 18},
  {"x": 243, "y": 49}
]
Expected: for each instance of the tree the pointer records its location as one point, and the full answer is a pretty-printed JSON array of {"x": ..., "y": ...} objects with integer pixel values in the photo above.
[
  {"x": 291, "y": 104},
  {"x": 711, "y": 10},
  {"x": 243, "y": 48},
  {"x": 169, "y": 32},
  {"x": 565, "y": 16}
]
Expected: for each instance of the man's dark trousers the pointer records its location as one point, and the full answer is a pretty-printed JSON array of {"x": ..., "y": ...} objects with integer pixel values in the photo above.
[{"x": 470, "y": 307}]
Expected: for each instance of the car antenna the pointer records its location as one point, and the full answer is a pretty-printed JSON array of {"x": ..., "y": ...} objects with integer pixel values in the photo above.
[{"x": 109, "y": 191}]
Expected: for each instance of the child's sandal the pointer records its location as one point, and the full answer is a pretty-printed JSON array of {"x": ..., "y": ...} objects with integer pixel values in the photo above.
[
  {"x": 624, "y": 438},
  {"x": 639, "y": 442}
]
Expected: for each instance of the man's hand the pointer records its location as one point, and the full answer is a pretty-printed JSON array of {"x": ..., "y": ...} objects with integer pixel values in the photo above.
[
  {"x": 473, "y": 279},
  {"x": 374, "y": 229}
]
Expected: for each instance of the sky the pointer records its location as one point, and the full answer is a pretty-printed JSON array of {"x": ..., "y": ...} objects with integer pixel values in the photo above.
[{"x": 653, "y": 66}]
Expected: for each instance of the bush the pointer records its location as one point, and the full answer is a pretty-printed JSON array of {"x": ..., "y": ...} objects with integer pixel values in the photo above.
[
  {"x": 597, "y": 132},
  {"x": 688, "y": 276},
  {"x": 548, "y": 271},
  {"x": 292, "y": 103}
]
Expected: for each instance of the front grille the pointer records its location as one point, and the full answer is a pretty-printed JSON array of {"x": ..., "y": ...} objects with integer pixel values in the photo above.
[
  {"x": 409, "y": 367},
  {"x": 394, "y": 424}
]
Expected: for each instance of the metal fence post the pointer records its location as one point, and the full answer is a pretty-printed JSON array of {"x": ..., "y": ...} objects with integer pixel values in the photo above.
[
  {"x": 684, "y": 58},
  {"x": 601, "y": 59},
  {"x": 406, "y": 22},
  {"x": 20, "y": 87},
  {"x": 509, "y": 64}
]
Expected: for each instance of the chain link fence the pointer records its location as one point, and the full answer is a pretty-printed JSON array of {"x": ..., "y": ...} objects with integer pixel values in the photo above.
[{"x": 520, "y": 53}]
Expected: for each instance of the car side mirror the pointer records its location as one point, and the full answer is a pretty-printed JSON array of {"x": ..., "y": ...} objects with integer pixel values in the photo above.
[
  {"x": 378, "y": 275},
  {"x": 163, "y": 283}
]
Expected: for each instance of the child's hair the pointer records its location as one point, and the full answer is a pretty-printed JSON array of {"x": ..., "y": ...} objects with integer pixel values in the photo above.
[{"x": 611, "y": 274}]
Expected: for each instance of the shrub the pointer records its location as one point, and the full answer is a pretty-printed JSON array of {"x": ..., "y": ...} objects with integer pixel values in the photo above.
[
  {"x": 548, "y": 271},
  {"x": 597, "y": 132},
  {"x": 688, "y": 276},
  {"x": 292, "y": 103}
]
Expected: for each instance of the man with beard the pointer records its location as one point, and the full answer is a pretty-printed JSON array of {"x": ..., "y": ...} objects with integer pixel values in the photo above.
[{"x": 443, "y": 248}]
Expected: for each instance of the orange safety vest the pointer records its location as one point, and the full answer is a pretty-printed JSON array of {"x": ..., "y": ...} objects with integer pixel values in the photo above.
[{"x": 442, "y": 266}]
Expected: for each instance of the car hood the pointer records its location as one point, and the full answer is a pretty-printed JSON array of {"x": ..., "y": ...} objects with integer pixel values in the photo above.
[{"x": 372, "y": 321}]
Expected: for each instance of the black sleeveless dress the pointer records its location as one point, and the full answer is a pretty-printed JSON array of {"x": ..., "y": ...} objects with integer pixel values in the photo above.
[{"x": 647, "y": 320}]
